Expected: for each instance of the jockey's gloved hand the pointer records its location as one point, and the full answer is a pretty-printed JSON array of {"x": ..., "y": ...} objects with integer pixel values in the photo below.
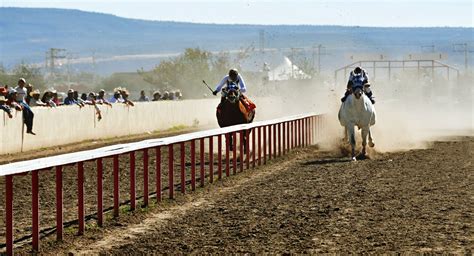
[{"x": 214, "y": 92}]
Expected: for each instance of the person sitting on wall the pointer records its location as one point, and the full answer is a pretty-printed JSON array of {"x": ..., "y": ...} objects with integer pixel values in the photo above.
[
  {"x": 28, "y": 115},
  {"x": 35, "y": 100},
  {"x": 5, "y": 107},
  {"x": 156, "y": 96},
  {"x": 143, "y": 97}
]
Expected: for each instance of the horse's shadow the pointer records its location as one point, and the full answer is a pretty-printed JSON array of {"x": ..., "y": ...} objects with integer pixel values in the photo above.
[
  {"x": 335, "y": 160},
  {"x": 327, "y": 161}
]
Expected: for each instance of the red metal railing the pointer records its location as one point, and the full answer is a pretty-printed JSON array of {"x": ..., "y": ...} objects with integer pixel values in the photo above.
[{"x": 267, "y": 140}]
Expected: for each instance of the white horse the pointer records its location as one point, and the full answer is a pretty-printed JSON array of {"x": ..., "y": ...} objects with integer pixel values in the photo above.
[{"x": 357, "y": 110}]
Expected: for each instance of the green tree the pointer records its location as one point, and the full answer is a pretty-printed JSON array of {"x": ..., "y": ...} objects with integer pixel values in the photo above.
[{"x": 187, "y": 71}]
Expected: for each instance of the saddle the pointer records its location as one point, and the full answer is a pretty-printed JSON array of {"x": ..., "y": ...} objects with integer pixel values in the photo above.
[{"x": 247, "y": 107}]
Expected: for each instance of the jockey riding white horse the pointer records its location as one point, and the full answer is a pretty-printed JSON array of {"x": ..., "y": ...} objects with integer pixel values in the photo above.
[{"x": 357, "y": 110}]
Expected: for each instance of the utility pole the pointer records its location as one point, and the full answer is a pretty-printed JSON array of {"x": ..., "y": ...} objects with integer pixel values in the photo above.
[
  {"x": 319, "y": 47},
  {"x": 293, "y": 51},
  {"x": 261, "y": 40},
  {"x": 463, "y": 48}
]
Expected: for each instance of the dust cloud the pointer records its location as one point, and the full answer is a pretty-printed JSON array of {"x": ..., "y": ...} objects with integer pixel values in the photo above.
[{"x": 412, "y": 112}]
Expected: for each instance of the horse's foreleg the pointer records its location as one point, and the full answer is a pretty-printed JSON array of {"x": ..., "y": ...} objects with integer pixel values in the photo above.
[
  {"x": 352, "y": 140},
  {"x": 365, "y": 132},
  {"x": 371, "y": 141}
]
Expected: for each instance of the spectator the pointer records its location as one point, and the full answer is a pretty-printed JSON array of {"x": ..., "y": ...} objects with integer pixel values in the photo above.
[
  {"x": 48, "y": 98},
  {"x": 80, "y": 102},
  {"x": 11, "y": 100},
  {"x": 101, "y": 98},
  {"x": 35, "y": 100},
  {"x": 29, "y": 89},
  {"x": 156, "y": 96},
  {"x": 4, "y": 106},
  {"x": 55, "y": 98},
  {"x": 69, "y": 100},
  {"x": 117, "y": 97},
  {"x": 84, "y": 96},
  {"x": 166, "y": 95},
  {"x": 178, "y": 95},
  {"x": 4, "y": 90},
  {"x": 21, "y": 99},
  {"x": 92, "y": 101},
  {"x": 125, "y": 95},
  {"x": 143, "y": 97}
]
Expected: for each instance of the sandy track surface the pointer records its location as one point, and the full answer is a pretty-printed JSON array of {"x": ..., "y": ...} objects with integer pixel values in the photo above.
[{"x": 314, "y": 202}]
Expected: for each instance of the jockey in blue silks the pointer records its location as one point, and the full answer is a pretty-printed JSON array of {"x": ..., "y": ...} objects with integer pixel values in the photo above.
[{"x": 358, "y": 78}]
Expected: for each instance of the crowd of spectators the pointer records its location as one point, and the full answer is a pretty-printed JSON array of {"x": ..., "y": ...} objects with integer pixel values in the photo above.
[{"x": 23, "y": 96}]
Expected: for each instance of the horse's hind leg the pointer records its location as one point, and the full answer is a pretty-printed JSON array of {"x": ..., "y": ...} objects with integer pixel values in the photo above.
[{"x": 230, "y": 141}]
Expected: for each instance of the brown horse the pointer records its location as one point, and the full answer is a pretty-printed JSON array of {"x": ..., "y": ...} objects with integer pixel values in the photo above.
[{"x": 232, "y": 111}]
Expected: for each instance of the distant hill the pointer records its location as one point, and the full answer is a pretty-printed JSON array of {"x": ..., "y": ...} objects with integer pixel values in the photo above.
[{"x": 27, "y": 33}]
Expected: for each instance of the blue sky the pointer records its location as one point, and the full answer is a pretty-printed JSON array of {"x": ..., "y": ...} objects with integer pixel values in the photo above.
[{"x": 380, "y": 13}]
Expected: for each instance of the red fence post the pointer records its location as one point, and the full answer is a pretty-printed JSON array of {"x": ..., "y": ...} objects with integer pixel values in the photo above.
[
  {"x": 170, "y": 171},
  {"x": 241, "y": 149},
  {"x": 297, "y": 133},
  {"x": 100, "y": 204},
  {"x": 193, "y": 165},
  {"x": 253, "y": 147},
  {"x": 133, "y": 195},
  {"x": 219, "y": 156},
  {"x": 80, "y": 197},
  {"x": 283, "y": 137},
  {"x": 183, "y": 168},
  {"x": 279, "y": 138},
  {"x": 234, "y": 152},
  {"x": 274, "y": 140},
  {"x": 259, "y": 145},
  {"x": 59, "y": 203},
  {"x": 9, "y": 213},
  {"x": 301, "y": 132},
  {"x": 269, "y": 141},
  {"x": 116, "y": 186},
  {"x": 288, "y": 134},
  {"x": 35, "y": 209},
  {"x": 146, "y": 192},
  {"x": 264, "y": 145},
  {"x": 211, "y": 160},
  {"x": 201, "y": 173},
  {"x": 247, "y": 149},
  {"x": 158, "y": 173},
  {"x": 227, "y": 155}
]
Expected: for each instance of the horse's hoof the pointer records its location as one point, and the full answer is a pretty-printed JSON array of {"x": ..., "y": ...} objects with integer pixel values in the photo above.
[
  {"x": 371, "y": 144},
  {"x": 353, "y": 159}
]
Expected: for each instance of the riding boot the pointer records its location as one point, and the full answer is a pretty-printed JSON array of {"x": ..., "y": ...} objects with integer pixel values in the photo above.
[
  {"x": 345, "y": 95},
  {"x": 370, "y": 96}
]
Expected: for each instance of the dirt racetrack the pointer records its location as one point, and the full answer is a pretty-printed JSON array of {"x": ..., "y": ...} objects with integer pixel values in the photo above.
[{"x": 311, "y": 202}]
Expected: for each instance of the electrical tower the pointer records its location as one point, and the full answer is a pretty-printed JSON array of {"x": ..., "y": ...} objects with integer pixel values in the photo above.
[{"x": 52, "y": 55}]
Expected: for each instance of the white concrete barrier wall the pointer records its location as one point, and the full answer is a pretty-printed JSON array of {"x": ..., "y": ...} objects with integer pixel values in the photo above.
[{"x": 70, "y": 124}]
